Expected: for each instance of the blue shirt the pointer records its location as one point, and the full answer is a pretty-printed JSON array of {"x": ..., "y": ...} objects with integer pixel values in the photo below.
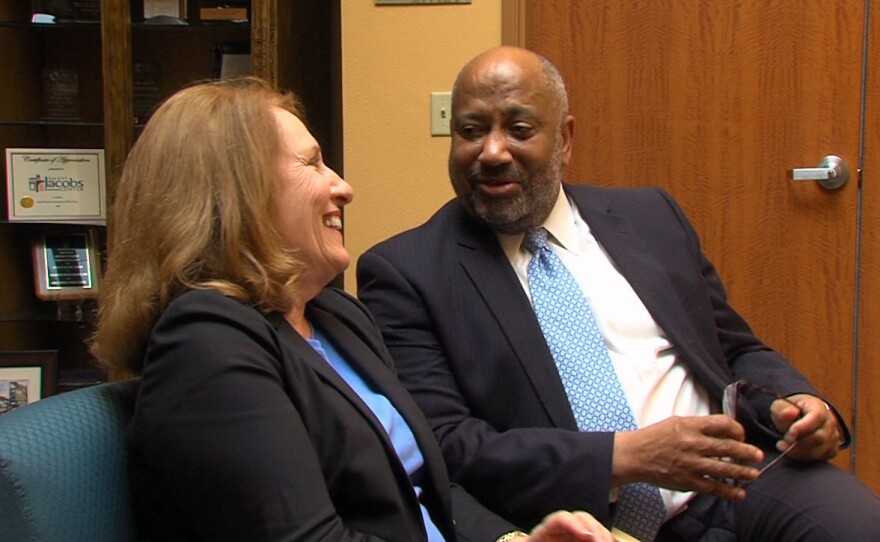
[{"x": 398, "y": 430}]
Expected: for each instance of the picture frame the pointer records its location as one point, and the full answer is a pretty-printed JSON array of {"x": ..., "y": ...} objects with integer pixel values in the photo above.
[
  {"x": 26, "y": 376},
  {"x": 66, "y": 265}
]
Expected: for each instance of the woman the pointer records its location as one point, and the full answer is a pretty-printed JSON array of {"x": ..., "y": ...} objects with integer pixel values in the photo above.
[{"x": 268, "y": 407}]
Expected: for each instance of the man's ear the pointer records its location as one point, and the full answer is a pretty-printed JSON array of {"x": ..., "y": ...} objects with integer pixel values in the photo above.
[{"x": 566, "y": 132}]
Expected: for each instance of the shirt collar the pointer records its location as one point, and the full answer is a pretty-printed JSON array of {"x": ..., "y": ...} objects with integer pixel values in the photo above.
[{"x": 560, "y": 223}]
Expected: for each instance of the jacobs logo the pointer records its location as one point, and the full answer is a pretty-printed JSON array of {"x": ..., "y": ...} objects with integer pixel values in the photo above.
[{"x": 60, "y": 184}]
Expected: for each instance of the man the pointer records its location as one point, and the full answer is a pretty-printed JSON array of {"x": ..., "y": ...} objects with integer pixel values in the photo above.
[{"x": 459, "y": 310}]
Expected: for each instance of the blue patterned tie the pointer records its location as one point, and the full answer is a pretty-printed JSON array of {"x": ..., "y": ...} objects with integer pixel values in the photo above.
[{"x": 592, "y": 386}]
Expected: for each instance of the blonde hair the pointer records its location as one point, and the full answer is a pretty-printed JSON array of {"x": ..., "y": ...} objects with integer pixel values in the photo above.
[{"x": 193, "y": 209}]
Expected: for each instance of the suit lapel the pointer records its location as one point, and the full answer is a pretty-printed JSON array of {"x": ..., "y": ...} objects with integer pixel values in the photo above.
[
  {"x": 487, "y": 266},
  {"x": 375, "y": 368},
  {"x": 365, "y": 353},
  {"x": 304, "y": 351},
  {"x": 637, "y": 263}
]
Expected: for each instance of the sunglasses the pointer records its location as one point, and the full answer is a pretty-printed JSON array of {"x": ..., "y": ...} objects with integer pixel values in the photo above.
[{"x": 734, "y": 404}]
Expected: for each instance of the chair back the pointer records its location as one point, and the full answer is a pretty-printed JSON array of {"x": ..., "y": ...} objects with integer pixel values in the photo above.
[{"x": 63, "y": 471}]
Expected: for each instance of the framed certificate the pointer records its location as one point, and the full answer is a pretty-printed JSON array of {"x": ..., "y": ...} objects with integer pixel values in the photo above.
[
  {"x": 56, "y": 185},
  {"x": 66, "y": 265}
]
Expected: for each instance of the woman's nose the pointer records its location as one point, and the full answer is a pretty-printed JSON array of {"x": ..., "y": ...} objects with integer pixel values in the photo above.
[{"x": 341, "y": 191}]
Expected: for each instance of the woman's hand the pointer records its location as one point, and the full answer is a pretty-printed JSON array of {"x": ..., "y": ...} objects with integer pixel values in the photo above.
[{"x": 569, "y": 527}]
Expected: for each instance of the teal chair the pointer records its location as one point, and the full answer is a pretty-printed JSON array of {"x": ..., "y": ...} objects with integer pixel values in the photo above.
[{"x": 63, "y": 474}]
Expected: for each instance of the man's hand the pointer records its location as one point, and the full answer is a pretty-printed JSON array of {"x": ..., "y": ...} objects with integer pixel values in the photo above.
[
  {"x": 807, "y": 421},
  {"x": 695, "y": 453}
]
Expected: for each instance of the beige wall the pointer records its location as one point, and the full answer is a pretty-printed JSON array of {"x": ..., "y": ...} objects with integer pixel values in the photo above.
[{"x": 393, "y": 57}]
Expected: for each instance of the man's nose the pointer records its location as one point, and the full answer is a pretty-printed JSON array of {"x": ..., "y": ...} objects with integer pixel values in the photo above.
[{"x": 495, "y": 149}]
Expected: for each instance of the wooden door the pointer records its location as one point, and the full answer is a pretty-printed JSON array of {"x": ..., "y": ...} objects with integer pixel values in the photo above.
[
  {"x": 718, "y": 102},
  {"x": 867, "y": 460}
]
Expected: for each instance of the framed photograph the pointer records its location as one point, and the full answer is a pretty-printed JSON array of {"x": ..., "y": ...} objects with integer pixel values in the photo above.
[
  {"x": 66, "y": 265},
  {"x": 26, "y": 376},
  {"x": 231, "y": 59}
]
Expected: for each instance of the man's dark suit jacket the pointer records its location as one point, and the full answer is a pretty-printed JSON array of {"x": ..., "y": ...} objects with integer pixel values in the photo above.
[
  {"x": 469, "y": 347},
  {"x": 243, "y": 432}
]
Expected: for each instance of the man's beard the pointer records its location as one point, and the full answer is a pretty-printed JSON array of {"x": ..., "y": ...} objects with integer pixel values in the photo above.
[{"x": 517, "y": 213}]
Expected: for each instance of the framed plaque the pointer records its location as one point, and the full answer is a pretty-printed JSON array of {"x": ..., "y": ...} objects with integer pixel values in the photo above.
[
  {"x": 231, "y": 59},
  {"x": 170, "y": 8},
  {"x": 61, "y": 9},
  {"x": 70, "y": 10},
  {"x": 147, "y": 92},
  {"x": 224, "y": 11},
  {"x": 66, "y": 265},
  {"x": 60, "y": 93},
  {"x": 26, "y": 376},
  {"x": 56, "y": 185}
]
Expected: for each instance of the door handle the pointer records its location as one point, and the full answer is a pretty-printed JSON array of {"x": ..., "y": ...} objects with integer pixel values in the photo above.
[{"x": 831, "y": 173}]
